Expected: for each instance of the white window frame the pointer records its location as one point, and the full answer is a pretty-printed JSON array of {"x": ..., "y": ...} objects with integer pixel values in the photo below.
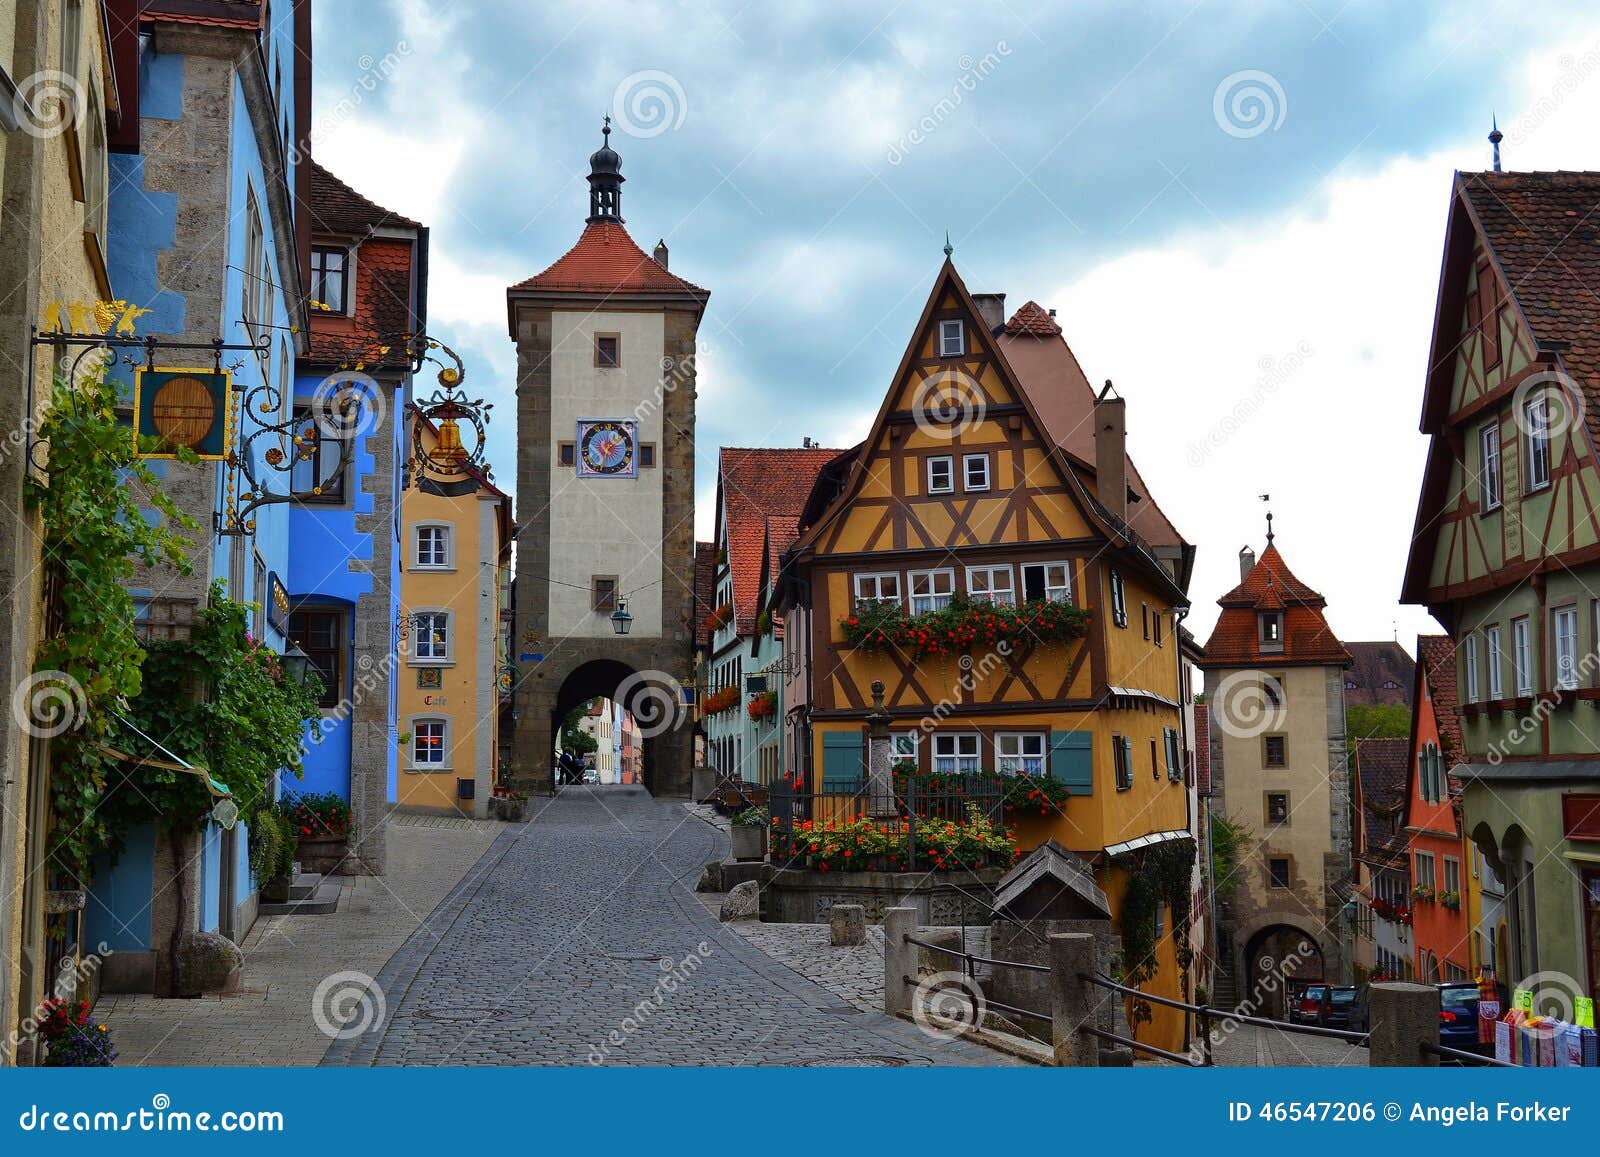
[
  {"x": 988, "y": 595},
  {"x": 254, "y": 256},
  {"x": 948, "y": 464},
  {"x": 417, "y": 723},
  {"x": 1006, "y": 762},
  {"x": 1536, "y": 442},
  {"x": 449, "y": 532},
  {"x": 1053, "y": 592},
  {"x": 1496, "y": 659},
  {"x": 1469, "y": 658},
  {"x": 968, "y": 461},
  {"x": 1432, "y": 877},
  {"x": 1450, "y": 866},
  {"x": 432, "y": 658},
  {"x": 875, "y": 581},
  {"x": 1275, "y": 642},
  {"x": 953, "y": 329},
  {"x": 935, "y": 599},
  {"x": 1522, "y": 655},
  {"x": 1489, "y": 449},
  {"x": 965, "y": 747},
  {"x": 1119, "y": 601},
  {"x": 1566, "y": 646}
]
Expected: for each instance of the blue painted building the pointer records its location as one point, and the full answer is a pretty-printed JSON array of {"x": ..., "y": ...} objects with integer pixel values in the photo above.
[{"x": 206, "y": 175}]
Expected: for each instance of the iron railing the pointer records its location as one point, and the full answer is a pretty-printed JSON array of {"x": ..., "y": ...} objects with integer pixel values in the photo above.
[
  {"x": 969, "y": 969},
  {"x": 1461, "y": 1056}
]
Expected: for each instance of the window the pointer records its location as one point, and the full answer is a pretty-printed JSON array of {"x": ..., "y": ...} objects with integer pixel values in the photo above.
[
  {"x": 434, "y": 547},
  {"x": 1046, "y": 580},
  {"x": 260, "y": 597},
  {"x": 1536, "y": 441},
  {"x": 316, "y": 475},
  {"x": 1277, "y": 809},
  {"x": 607, "y": 350},
  {"x": 1274, "y": 751},
  {"x": 430, "y": 637},
  {"x": 1424, "y": 870},
  {"x": 941, "y": 475},
  {"x": 952, "y": 339},
  {"x": 903, "y": 748},
  {"x": 1278, "y": 871},
  {"x": 569, "y": 454},
  {"x": 1566, "y": 640},
  {"x": 1496, "y": 678},
  {"x": 1427, "y": 772},
  {"x": 931, "y": 590},
  {"x": 1155, "y": 625},
  {"x": 1155, "y": 762},
  {"x": 1269, "y": 629},
  {"x": 330, "y": 283},
  {"x": 1522, "y": 656},
  {"x": 254, "y": 255},
  {"x": 429, "y": 743},
  {"x": 1119, "y": 601},
  {"x": 1020, "y": 754},
  {"x": 647, "y": 455},
  {"x": 603, "y": 593},
  {"x": 877, "y": 588},
  {"x": 1144, "y": 618},
  {"x": 1489, "y": 444},
  {"x": 956, "y": 754},
  {"x": 976, "y": 468},
  {"x": 71, "y": 44},
  {"x": 1122, "y": 761},
  {"x": 1272, "y": 691},
  {"x": 1452, "y": 874},
  {"x": 94, "y": 172},
  {"x": 1469, "y": 660},
  {"x": 320, "y": 634},
  {"x": 990, "y": 584},
  {"x": 1174, "y": 754}
]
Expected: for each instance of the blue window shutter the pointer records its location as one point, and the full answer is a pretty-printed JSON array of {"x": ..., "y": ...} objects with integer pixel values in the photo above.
[
  {"x": 1072, "y": 760},
  {"x": 841, "y": 761}
]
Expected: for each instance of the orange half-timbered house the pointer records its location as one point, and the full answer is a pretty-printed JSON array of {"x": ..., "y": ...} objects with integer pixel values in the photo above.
[{"x": 994, "y": 473}]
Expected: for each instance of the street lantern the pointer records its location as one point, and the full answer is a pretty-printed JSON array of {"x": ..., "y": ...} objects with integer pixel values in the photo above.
[
  {"x": 296, "y": 663},
  {"x": 621, "y": 620}
]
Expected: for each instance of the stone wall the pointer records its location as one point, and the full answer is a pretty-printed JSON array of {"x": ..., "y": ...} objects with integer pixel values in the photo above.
[{"x": 801, "y": 896}]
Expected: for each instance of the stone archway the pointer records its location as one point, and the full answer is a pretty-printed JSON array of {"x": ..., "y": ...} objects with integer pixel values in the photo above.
[{"x": 1273, "y": 954}]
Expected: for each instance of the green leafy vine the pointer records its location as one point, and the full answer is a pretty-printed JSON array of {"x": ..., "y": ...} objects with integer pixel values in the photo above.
[{"x": 1159, "y": 874}]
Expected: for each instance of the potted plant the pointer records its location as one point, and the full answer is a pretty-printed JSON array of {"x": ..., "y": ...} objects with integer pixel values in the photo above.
[
  {"x": 321, "y": 824},
  {"x": 272, "y": 853},
  {"x": 510, "y": 806},
  {"x": 73, "y": 1038},
  {"x": 749, "y": 833}
]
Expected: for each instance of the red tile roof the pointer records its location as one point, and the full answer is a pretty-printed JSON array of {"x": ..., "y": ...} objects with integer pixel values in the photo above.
[
  {"x": 1382, "y": 768},
  {"x": 1270, "y": 585},
  {"x": 1436, "y": 661},
  {"x": 1033, "y": 320},
  {"x": 1376, "y": 664},
  {"x": 606, "y": 260},
  {"x": 335, "y": 207},
  {"x": 761, "y": 492},
  {"x": 705, "y": 589}
]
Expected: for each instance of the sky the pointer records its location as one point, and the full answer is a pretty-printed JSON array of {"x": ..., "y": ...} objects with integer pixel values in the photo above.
[{"x": 1236, "y": 210}]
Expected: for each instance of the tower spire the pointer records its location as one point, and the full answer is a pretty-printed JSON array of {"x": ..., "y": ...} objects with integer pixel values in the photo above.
[
  {"x": 605, "y": 180},
  {"x": 948, "y": 248},
  {"x": 1268, "y": 498},
  {"x": 1495, "y": 137}
]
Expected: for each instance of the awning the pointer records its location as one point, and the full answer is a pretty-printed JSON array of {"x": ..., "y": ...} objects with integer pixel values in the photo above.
[
  {"x": 171, "y": 763},
  {"x": 1140, "y": 693},
  {"x": 1147, "y": 841}
]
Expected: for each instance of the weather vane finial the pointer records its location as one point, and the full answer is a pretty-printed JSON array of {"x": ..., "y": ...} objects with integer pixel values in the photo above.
[
  {"x": 605, "y": 128},
  {"x": 1267, "y": 498},
  {"x": 1495, "y": 137},
  {"x": 948, "y": 248}
]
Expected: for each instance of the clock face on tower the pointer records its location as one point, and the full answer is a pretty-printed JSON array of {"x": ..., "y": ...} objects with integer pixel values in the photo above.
[{"x": 607, "y": 448}]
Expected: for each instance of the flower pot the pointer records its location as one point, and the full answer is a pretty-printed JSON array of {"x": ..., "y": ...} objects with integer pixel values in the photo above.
[
  {"x": 275, "y": 890},
  {"x": 323, "y": 854},
  {"x": 749, "y": 842},
  {"x": 512, "y": 811}
]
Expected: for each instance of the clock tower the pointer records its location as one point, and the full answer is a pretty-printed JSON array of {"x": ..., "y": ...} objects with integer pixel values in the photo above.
[{"x": 605, "y": 490}]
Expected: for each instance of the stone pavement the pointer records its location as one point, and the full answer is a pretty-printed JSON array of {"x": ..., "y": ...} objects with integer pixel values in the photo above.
[
  {"x": 1251, "y": 1047},
  {"x": 579, "y": 941},
  {"x": 270, "y": 1021}
]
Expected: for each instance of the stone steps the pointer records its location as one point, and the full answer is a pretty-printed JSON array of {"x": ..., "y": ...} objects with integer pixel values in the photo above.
[{"x": 320, "y": 900}]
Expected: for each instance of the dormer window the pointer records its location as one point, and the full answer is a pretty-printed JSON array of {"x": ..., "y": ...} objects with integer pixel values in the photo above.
[
  {"x": 952, "y": 339},
  {"x": 330, "y": 279},
  {"x": 1270, "y": 625}
]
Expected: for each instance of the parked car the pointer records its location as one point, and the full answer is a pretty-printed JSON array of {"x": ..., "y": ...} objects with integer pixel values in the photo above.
[
  {"x": 1458, "y": 1015},
  {"x": 1307, "y": 1009},
  {"x": 1346, "y": 1006}
]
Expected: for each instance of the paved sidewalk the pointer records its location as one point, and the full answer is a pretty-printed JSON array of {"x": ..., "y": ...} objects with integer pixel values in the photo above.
[{"x": 270, "y": 1021}]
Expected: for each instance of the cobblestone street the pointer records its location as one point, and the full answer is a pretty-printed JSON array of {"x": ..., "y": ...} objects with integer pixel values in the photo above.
[{"x": 578, "y": 940}]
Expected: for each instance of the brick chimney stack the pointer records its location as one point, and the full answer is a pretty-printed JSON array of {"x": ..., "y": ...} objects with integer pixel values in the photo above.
[
  {"x": 1247, "y": 562},
  {"x": 992, "y": 308},
  {"x": 1111, "y": 452}
]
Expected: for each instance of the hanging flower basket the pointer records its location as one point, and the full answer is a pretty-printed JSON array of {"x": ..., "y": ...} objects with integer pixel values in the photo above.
[
  {"x": 763, "y": 705},
  {"x": 963, "y": 626},
  {"x": 724, "y": 700}
]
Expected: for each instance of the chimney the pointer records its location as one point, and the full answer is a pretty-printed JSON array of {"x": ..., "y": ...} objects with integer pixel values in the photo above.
[
  {"x": 1111, "y": 452},
  {"x": 992, "y": 308},
  {"x": 661, "y": 253},
  {"x": 1247, "y": 562}
]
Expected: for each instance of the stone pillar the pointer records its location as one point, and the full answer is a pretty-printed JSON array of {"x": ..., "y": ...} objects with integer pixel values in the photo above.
[
  {"x": 880, "y": 777},
  {"x": 899, "y": 960},
  {"x": 1405, "y": 1016},
  {"x": 1073, "y": 1001},
  {"x": 847, "y": 925}
]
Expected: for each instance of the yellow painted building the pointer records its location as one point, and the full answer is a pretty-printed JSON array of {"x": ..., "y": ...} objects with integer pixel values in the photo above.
[
  {"x": 53, "y": 173},
  {"x": 994, "y": 473},
  {"x": 456, "y": 540}
]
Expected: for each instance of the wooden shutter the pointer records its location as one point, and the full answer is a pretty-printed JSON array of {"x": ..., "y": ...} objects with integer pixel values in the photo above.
[
  {"x": 1072, "y": 760},
  {"x": 841, "y": 761}
]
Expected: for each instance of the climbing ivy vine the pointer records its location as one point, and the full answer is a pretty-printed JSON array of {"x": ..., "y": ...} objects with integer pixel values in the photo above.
[{"x": 1159, "y": 874}]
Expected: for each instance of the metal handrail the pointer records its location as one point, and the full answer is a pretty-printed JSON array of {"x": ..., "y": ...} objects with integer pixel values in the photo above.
[
  {"x": 1465, "y": 1057},
  {"x": 1242, "y": 1018},
  {"x": 974, "y": 958},
  {"x": 1176, "y": 1058}
]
